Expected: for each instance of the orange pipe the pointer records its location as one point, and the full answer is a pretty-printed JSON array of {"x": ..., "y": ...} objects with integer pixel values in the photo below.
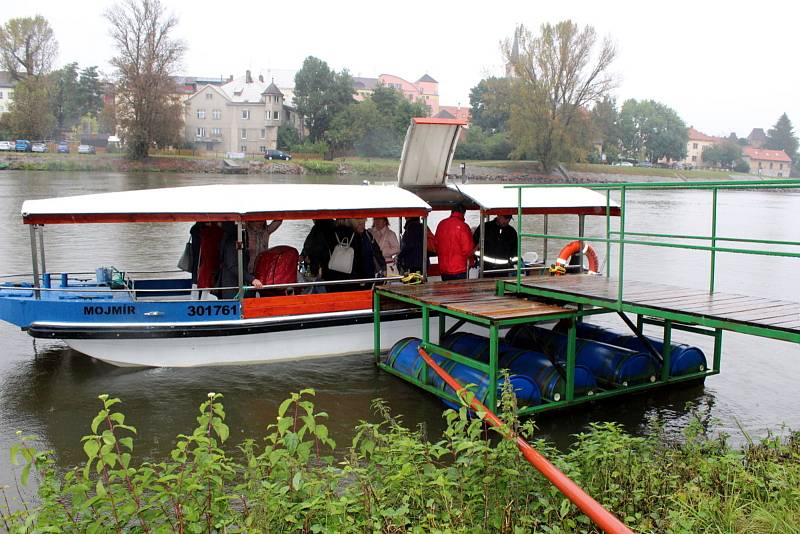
[{"x": 594, "y": 510}]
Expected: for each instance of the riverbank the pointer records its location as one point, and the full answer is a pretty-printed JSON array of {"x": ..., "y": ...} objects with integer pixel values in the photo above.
[
  {"x": 193, "y": 165},
  {"x": 489, "y": 171},
  {"x": 393, "y": 479}
]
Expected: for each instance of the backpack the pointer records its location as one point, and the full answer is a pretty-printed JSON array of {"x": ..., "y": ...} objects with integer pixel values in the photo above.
[{"x": 342, "y": 256}]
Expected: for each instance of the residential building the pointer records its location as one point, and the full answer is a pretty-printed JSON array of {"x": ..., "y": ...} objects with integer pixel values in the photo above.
[
  {"x": 765, "y": 162},
  {"x": 425, "y": 89},
  {"x": 7, "y": 85},
  {"x": 757, "y": 138},
  {"x": 694, "y": 147},
  {"x": 242, "y": 115},
  {"x": 453, "y": 112}
]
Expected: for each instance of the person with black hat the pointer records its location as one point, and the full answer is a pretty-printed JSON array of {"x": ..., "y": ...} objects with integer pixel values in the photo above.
[
  {"x": 499, "y": 245},
  {"x": 454, "y": 245}
]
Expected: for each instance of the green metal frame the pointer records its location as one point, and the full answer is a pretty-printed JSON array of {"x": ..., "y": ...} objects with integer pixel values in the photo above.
[
  {"x": 585, "y": 306},
  {"x": 623, "y": 238}
]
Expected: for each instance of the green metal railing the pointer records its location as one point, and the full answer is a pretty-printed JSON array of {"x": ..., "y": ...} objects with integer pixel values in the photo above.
[{"x": 621, "y": 237}]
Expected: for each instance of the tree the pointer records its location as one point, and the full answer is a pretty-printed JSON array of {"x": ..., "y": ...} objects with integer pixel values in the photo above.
[
  {"x": 65, "y": 104},
  {"x": 559, "y": 74},
  {"x": 375, "y": 127},
  {"x": 287, "y": 137},
  {"x": 149, "y": 112},
  {"x": 724, "y": 154},
  {"x": 90, "y": 92},
  {"x": 29, "y": 115},
  {"x": 605, "y": 118},
  {"x": 651, "y": 130},
  {"x": 781, "y": 137},
  {"x": 321, "y": 93},
  {"x": 28, "y": 47},
  {"x": 490, "y": 101}
]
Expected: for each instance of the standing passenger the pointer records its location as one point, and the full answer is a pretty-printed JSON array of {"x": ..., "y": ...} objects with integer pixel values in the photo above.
[
  {"x": 208, "y": 264},
  {"x": 387, "y": 241},
  {"x": 499, "y": 245},
  {"x": 258, "y": 233},
  {"x": 409, "y": 260},
  {"x": 454, "y": 245},
  {"x": 229, "y": 263}
]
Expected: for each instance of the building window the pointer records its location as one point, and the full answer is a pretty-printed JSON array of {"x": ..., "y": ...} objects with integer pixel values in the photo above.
[
  {"x": 216, "y": 114},
  {"x": 770, "y": 164},
  {"x": 216, "y": 131},
  {"x": 781, "y": 166},
  {"x": 243, "y": 133},
  {"x": 201, "y": 132},
  {"x": 263, "y": 133},
  {"x": 266, "y": 116},
  {"x": 1, "y": 95},
  {"x": 262, "y": 149},
  {"x": 694, "y": 145},
  {"x": 209, "y": 95},
  {"x": 243, "y": 148},
  {"x": 694, "y": 159},
  {"x": 275, "y": 115},
  {"x": 201, "y": 114},
  {"x": 246, "y": 114}
]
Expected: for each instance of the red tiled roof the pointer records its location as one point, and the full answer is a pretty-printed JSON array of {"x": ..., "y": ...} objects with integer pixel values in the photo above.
[
  {"x": 695, "y": 135},
  {"x": 766, "y": 155}
]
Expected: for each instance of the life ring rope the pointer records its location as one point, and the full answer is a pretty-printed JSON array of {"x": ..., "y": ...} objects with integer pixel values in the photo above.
[{"x": 572, "y": 248}]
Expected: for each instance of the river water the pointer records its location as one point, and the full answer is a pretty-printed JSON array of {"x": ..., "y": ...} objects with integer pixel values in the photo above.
[{"x": 50, "y": 391}]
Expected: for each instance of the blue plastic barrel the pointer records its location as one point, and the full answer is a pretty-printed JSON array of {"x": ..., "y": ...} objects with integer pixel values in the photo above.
[
  {"x": 404, "y": 357},
  {"x": 525, "y": 389},
  {"x": 609, "y": 363},
  {"x": 684, "y": 359},
  {"x": 545, "y": 374},
  {"x": 471, "y": 345}
]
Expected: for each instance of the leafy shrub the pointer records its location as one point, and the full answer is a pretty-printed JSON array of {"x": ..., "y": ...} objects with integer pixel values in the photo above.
[
  {"x": 391, "y": 479},
  {"x": 316, "y": 166},
  {"x": 741, "y": 166}
]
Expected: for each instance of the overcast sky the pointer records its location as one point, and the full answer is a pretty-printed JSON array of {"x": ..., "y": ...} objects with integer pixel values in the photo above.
[{"x": 724, "y": 66}]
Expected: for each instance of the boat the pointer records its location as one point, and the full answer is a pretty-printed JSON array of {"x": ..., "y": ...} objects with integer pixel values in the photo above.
[{"x": 129, "y": 318}]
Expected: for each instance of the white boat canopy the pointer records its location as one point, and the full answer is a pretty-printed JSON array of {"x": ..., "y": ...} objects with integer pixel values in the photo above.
[
  {"x": 497, "y": 199},
  {"x": 427, "y": 152},
  {"x": 228, "y": 202}
]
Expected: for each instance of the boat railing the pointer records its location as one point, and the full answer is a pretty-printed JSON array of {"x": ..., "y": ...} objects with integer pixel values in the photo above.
[
  {"x": 130, "y": 286},
  {"x": 622, "y": 236}
]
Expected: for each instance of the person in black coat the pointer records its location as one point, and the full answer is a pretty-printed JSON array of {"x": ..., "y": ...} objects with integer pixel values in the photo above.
[
  {"x": 318, "y": 246},
  {"x": 499, "y": 246},
  {"x": 409, "y": 259},
  {"x": 229, "y": 263}
]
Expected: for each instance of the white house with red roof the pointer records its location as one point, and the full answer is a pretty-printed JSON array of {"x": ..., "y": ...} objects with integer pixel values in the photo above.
[{"x": 766, "y": 162}]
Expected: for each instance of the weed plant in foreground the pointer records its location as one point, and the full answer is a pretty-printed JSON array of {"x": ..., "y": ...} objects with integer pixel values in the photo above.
[{"x": 393, "y": 480}]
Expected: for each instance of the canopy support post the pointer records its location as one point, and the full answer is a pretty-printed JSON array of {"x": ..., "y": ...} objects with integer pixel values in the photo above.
[
  {"x": 240, "y": 258},
  {"x": 581, "y": 233},
  {"x": 41, "y": 247},
  {"x": 34, "y": 261},
  {"x": 425, "y": 248},
  {"x": 481, "y": 250},
  {"x": 544, "y": 248}
]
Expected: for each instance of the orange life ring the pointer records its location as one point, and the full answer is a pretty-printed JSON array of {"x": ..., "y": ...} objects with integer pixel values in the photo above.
[{"x": 573, "y": 247}]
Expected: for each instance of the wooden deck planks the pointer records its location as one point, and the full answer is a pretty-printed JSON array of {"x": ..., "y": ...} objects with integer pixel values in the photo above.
[
  {"x": 476, "y": 298},
  {"x": 732, "y": 307}
]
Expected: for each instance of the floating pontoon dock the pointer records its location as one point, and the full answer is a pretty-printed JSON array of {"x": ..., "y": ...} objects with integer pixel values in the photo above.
[{"x": 499, "y": 304}]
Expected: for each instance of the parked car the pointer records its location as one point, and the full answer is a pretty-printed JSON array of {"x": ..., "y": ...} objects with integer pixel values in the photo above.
[
  {"x": 276, "y": 154},
  {"x": 6, "y": 146},
  {"x": 39, "y": 147},
  {"x": 623, "y": 164},
  {"x": 63, "y": 147},
  {"x": 86, "y": 149},
  {"x": 644, "y": 163},
  {"x": 22, "y": 145}
]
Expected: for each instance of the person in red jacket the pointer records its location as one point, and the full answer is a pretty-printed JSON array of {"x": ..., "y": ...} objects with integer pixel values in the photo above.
[{"x": 454, "y": 245}]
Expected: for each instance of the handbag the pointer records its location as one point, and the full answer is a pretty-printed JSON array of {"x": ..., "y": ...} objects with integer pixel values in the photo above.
[
  {"x": 342, "y": 256},
  {"x": 185, "y": 261}
]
